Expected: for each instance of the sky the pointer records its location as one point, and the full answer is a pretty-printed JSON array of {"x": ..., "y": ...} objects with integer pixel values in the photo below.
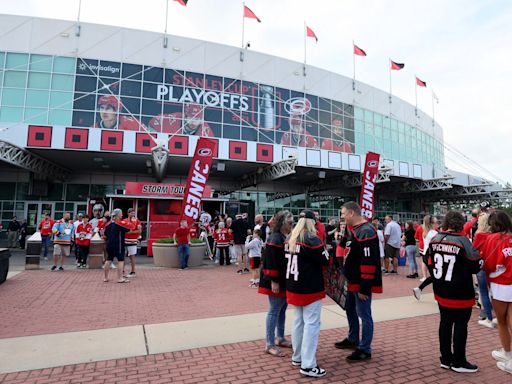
[{"x": 461, "y": 48}]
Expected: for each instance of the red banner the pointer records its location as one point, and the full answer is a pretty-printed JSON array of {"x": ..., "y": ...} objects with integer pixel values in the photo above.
[
  {"x": 159, "y": 190},
  {"x": 369, "y": 178},
  {"x": 197, "y": 178}
]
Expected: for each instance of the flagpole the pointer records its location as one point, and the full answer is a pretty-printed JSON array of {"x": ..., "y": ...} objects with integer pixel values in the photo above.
[
  {"x": 166, "y": 19},
  {"x": 416, "y": 95},
  {"x": 305, "y": 46},
  {"x": 243, "y": 31},
  {"x": 433, "y": 110},
  {"x": 354, "y": 62},
  {"x": 390, "y": 88}
]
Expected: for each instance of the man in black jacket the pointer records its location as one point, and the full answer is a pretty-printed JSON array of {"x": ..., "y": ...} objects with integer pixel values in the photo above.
[
  {"x": 239, "y": 227},
  {"x": 12, "y": 232}
]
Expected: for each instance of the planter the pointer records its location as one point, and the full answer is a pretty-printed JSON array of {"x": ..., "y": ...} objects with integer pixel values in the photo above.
[
  {"x": 166, "y": 255},
  {"x": 4, "y": 264}
]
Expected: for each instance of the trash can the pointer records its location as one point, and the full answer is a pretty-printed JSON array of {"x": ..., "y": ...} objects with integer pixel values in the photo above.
[
  {"x": 4, "y": 264},
  {"x": 33, "y": 251}
]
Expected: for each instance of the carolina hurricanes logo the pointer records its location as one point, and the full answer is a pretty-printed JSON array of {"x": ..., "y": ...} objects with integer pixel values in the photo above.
[
  {"x": 298, "y": 105},
  {"x": 373, "y": 163},
  {"x": 204, "y": 152}
]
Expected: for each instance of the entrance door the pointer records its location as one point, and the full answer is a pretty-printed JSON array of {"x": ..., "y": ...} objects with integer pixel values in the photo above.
[
  {"x": 123, "y": 204},
  {"x": 35, "y": 212}
]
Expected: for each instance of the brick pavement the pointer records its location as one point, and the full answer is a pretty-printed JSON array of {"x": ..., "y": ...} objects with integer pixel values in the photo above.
[
  {"x": 405, "y": 351},
  {"x": 43, "y": 302}
]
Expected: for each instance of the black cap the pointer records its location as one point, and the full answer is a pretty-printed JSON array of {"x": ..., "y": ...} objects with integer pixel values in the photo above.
[
  {"x": 485, "y": 205},
  {"x": 308, "y": 214},
  {"x": 130, "y": 210}
]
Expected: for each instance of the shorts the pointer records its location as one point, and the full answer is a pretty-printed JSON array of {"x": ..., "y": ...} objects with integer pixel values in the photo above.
[
  {"x": 254, "y": 262},
  {"x": 391, "y": 252},
  {"x": 240, "y": 250},
  {"x": 501, "y": 292},
  {"x": 114, "y": 254},
  {"x": 61, "y": 250},
  {"x": 131, "y": 250}
]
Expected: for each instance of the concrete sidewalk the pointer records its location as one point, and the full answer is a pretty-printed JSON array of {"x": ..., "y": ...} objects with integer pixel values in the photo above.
[{"x": 53, "y": 350}]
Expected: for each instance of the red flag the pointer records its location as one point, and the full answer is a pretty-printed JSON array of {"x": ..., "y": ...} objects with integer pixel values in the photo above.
[
  {"x": 197, "y": 178},
  {"x": 369, "y": 178},
  {"x": 250, "y": 14},
  {"x": 310, "y": 33},
  {"x": 396, "y": 66},
  {"x": 420, "y": 83},
  {"x": 358, "y": 51},
  {"x": 182, "y": 2}
]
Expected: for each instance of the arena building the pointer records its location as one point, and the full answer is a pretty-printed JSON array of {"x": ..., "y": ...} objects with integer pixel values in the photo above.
[{"x": 82, "y": 106}]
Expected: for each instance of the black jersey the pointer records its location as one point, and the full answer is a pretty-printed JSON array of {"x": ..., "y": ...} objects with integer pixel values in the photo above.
[
  {"x": 304, "y": 271},
  {"x": 273, "y": 266},
  {"x": 362, "y": 262},
  {"x": 452, "y": 261}
]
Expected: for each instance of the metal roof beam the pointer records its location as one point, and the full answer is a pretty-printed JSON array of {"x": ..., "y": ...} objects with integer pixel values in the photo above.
[{"x": 269, "y": 173}]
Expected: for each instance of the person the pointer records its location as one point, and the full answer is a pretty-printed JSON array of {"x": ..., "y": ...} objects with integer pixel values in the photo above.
[
  {"x": 222, "y": 237},
  {"x": 76, "y": 222},
  {"x": 63, "y": 231},
  {"x": 97, "y": 214},
  {"x": 132, "y": 240},
  {"x": 410, "y": 249},
  {"x": 392, "y": 236},
  {"x": 338, "y": 236},
  {"x": 330, "y": 230},
  {"x": 205, "y": 218},
  {"x": 273, "y": 283},
  {"x": 109, "y": 107},
  {"x": 83, "y": 237},
  {"x": 338, "y": 142},
  {"x": 468, "y": 226},
  {"x": 418, "y": 235},
  {"x": 380, "y": 236},
  {"x": 479, "y": 242},
  {"x": 190, "y": 122},
  {"x": 364, "y": 277},
  {"x": 100, "y": 228},
  {"x": 12, "y": 232},
  {"x": 182, "y": 238},
  {"x": 298, "y": 135},
  {"x": 305, "y": 290},
  {"x": 452, "y": 261},
  {"x": 115, "y": 232},
  {"x": 253, "y": 244},
  {"x": 23, "y": 233},
  {"x": 259, "y": 223},
  {"x": 428, "y": 232},
  {"x": 320, "y": 228},
  {"x": 45, "y": 227},
  {"x": 498, "y": 265},
  {"x": 239, "y": 227}
]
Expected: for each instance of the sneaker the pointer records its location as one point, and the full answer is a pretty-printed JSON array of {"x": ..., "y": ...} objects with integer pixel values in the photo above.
[
  {"x": 393, "y": 272},
  {"x": 486, "y": 323},
  {"x": 417, "y": 293},
  {"x": 445, "y": 365},
  {"x": 358, "y": 355},
  {"x": 423, "y": 279},
  {"x": 246, "y": 270},
  {"x": 131, "y": 274},
  {"x": 239, "y": 272},
  {"x": 346, "y": 344},
  {"x": 495, "y": 321},
  {"x": 45, "y": 259},
  {"x": 53, "y": 268},
  {"x": 385, "y": 271},
  {"x": 500, "y": 355},
  {"x": 313, "y": 372},
  {"x": 113, "y": 266},
  {"x": 507, "y": 367},
  {"x": 253, "y": 285},
  {"x": 296, "y": 363},
  {"x": 60, "y": 268},
  {"x": 465, "y": 368}
]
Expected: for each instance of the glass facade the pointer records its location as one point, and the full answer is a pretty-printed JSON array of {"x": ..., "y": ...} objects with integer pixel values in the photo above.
[{"x": 52, "y": 90}]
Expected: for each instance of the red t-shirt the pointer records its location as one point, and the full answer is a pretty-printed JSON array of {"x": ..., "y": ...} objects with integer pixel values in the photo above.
[
  {"x": 480, "y": 243},
  {"x": 83, "y": 234},
  {"x": 418, "y": 235},
  {"x": 133, "y": 224},
  {"x": 45, "y": 226},
  {"x": 468, "y": 226},
  {"x": 182, "y": 235}
]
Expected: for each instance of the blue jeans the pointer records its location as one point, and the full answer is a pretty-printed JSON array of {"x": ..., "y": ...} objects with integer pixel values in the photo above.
[
  {"x": 357, "y": 308},
  {"x": 306, "y": 329},
  {"x": 45, "y": 241},
  {"x": 183, "y": 253},
  {"x": 484, "y": 294},
  {"x": 275, "y": 319},
  {"x": 410, "y": 251}
]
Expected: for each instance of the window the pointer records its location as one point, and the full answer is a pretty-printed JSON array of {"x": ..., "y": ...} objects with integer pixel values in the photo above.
[
  {"x": 13, "y": 97},
  {"x": 39, "y": 80},
  {"x": 62, "y": 82},
  {"x": 11, "y": 114},
  {"x": 64, "y": 65},
  {"x": 16, "y": 79},
  {"x": 59, "y": 117},
  {"x": 36, "y": 115},
  {"x": 41, "y": 63},
  {"x": 37, "y": 98},
  {"x": 17, "y": 61},
  {"x": 62, "y": 100}
]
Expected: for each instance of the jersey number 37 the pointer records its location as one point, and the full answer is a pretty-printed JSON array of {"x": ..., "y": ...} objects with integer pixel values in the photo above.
[
  {"x": 292, "y": 267},
  {"x": 439, "y": 262}
]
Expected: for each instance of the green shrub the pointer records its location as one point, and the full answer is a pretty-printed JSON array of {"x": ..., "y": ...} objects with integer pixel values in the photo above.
[
  {"x": 196, "y": 241},
  {"x": 165, "y": 240}
]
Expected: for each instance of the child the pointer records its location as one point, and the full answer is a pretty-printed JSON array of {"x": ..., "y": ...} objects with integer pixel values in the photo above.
[
  {"x": 222, "y": 237},
  {"x": 83, "y": 240},
  {"x": 182, "y": 238},
  {"x": 254, "y": 246}
]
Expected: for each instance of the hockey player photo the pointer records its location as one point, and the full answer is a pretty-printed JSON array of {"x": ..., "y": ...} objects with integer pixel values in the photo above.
[
  {"x": 338, "y": 142},
  {"x": 190, "y": 122},
  {"x": 298, "y": 135},
  {"x": 109, "y": 107}
]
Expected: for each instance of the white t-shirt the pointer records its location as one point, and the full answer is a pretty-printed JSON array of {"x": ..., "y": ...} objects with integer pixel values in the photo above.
[
  {"x": 380, "y": 235},
  {"x": 394, "y": 232},
  {"x": 427, "y": 239},
  {"x": 205, "y": 218}
]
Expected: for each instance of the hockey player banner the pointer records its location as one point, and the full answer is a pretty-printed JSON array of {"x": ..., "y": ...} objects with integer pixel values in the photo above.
[
  {"x": 369, "y": 178},
  {"x": 197, "y": 178},
  {"x": 335, "y": 281}
]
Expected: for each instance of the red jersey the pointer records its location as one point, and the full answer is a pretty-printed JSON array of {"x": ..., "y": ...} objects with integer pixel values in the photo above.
[
  {"x": 320, "y": 231},
  {"x": 302, "y": 140},
  {"x": 173, "y": 123},
  {"x": 338, "y": 146},
  {"x": 480, "y": 243},
  {"x": 45, "y": 226},
  {"x": 132, "y": 238},
  {"x": 222, "y": 237},
  {"x": 126, "y": 123},
  {"x": 498, "y": 263},
  {"x": 468, "y": 226},
  {"x": 83, "y": 234},
  {"x": 418, "y": 235},
  {"x": 182, "y": 235}
]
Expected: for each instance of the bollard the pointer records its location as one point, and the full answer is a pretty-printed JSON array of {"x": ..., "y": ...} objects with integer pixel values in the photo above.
[
  {"x": 4, "y": 264},
  {"x": 33, "y": 251},
  {"x": 95, "y": 259}
]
